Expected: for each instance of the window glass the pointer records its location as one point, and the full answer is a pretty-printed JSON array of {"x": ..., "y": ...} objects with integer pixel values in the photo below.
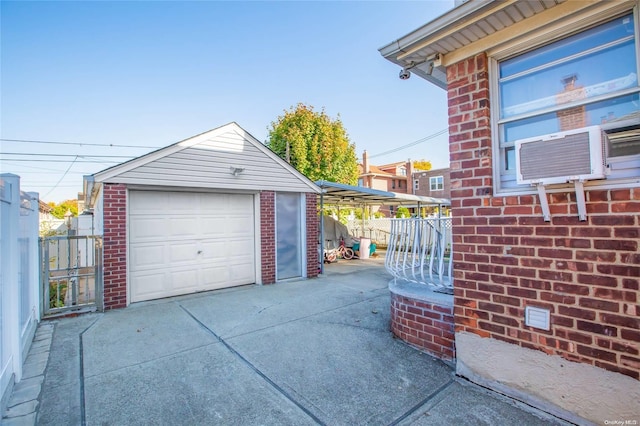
[
  {"x": 571, "y": 70},
  {"x": 603, "y": 34},
  {"x": 436, "y": 183},
  {"x": 604, "y": 112}
]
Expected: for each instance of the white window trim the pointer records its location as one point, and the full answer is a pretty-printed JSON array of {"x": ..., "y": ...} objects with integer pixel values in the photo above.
[
  {"x": 532, "y": 42},
  {"x": 434, "y": 179}
]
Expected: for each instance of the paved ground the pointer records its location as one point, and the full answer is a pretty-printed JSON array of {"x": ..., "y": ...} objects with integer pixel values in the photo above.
[{"x": 295, "y": 353}]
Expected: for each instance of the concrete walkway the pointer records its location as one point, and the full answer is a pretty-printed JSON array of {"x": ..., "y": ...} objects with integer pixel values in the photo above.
[{"x": 303, "y": 352}]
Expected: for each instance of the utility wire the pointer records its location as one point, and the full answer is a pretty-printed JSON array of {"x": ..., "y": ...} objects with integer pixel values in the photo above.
[
  {"x": 60, "y": 180},
  {"x": 80, "y": 144},
  {"x": 65, "y": 155},
  {"x": 53, "y": 160},
  {"x": 419, "y": 141}
]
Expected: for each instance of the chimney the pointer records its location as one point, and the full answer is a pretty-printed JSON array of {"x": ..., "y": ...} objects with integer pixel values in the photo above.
[
  {"x": 409, "y": 167},
  {"x": 365, "y": 162}
]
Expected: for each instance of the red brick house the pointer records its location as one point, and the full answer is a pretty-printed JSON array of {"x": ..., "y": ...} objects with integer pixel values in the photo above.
[
  {"x": 546, "y": 258},
  {"x": 216, "y": 210},
  {"x": 432, "y": 183},
  {"x": 393, "y": 177}
]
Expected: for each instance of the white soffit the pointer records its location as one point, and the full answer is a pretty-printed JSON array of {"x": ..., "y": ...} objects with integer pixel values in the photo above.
[{"x": 469, "y": 23}]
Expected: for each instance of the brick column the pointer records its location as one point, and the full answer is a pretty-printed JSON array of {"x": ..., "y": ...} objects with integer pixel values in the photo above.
[
  {"x": 312, "y": 235},
  {"x": 268, "y": 236},
  {"x": 115, "y": 245}
]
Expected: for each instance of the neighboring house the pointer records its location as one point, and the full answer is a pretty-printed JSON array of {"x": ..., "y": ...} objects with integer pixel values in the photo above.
[
  {"x": 394, "y": 177},
  {"x": 215, "y": 210},
  {"x": 49, "y": 224},
  {"x": 432, "y": 183},
  {"x": 546, "y": 262}
]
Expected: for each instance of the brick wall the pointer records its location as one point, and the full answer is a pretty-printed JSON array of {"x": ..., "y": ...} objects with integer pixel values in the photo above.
[
  {"x": 115, "y": 246},
  {"x": 426, "y": 325},
  {"x": 268, "y": 236},
  {"x": 312, "y": 235},
  {"x": 507, "y": 257}
]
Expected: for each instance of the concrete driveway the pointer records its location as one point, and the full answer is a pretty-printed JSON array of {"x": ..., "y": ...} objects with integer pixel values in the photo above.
[{"x": 302, "y": 352}]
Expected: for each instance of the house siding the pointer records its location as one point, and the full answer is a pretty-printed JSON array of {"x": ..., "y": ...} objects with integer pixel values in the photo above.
[
  {"x": 209, "y": 163},
  {"x": 507, "y": 257}
]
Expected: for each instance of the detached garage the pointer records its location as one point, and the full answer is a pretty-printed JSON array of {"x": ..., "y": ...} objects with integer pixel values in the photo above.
[{"x": 216, "y": 210}]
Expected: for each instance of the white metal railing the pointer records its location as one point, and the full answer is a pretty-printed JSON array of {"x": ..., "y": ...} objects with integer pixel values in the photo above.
[{"x": 420, "y": 251}]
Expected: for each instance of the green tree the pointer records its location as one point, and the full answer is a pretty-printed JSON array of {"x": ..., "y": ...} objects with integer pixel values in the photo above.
[
  {"x": 58, "y": 210},
  {"x": 402, "y": 212},
  {"x": 315, "y": 145}
]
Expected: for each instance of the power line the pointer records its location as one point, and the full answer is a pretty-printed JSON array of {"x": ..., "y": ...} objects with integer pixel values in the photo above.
[
  {"x": 53, "y": 161},
  {"x": 60, "y": 180},
  {"x": 419, "y": 141},
  {"x": 80, "y": 144},
  {"x": 41, "y": 168},
  {"x": 66, "y": 155}
]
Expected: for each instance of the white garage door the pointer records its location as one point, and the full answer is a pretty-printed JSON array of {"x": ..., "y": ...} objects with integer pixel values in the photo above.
[{"x": 183, "y": 242}]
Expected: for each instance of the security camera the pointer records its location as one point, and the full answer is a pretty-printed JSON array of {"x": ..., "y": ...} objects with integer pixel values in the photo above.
[{"x": 404, "y": 74}]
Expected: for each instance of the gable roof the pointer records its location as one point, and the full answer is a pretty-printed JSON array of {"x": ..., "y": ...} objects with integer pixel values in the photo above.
[{"x": 208, "y": 160}]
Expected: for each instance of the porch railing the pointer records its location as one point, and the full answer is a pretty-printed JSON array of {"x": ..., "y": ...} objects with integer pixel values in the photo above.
[{"x": 420, "y": 251}]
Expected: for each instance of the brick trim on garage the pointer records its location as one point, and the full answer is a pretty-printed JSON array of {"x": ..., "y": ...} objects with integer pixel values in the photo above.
[
  {"x": 114, "y": 246},
  {"x": 312, "y": 235},
  {"x": 268, "y": 236}
]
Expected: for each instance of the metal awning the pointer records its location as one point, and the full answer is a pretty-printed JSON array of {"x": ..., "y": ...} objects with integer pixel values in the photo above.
[{"x": 340, "y": 194}]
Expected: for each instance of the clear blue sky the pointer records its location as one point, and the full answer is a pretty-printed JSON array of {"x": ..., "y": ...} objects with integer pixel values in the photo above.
[{"x": 154, "y": 73}]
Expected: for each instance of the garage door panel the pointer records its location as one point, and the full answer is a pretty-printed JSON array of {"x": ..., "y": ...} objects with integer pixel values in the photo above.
[
  {"x": 147, "y": 256},
  {"x": 148, "y": 286},
  {"x": 187, "y": 280},
  {"x": 240, "y": 247},
  {"x": 183, "y": 227},
  {"x": 177, "y": 201},
  {"x": 183, "y": 252},
  {"x": 214, "y": 250},
  {"x": 213, "y": 227},
  {"x": 186, "y": 242},
  {"x": 142, "y": 228},
  {"x": 237, "y": 226}
]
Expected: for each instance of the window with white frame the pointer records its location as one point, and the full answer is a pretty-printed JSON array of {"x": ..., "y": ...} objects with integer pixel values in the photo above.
[
  {"x": 416, "y": 184},
  {"x": 436, "y": 183},
  {"x": 589, "y": 78}
]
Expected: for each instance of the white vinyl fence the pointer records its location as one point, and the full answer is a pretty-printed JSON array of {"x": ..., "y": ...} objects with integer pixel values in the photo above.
[
  {"x": 19, "y": 285},
  {"x": 378, "y": 230}
]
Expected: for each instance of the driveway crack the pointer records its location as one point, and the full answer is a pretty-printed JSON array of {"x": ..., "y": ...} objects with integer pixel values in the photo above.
[{"x": 266, "y": 378}]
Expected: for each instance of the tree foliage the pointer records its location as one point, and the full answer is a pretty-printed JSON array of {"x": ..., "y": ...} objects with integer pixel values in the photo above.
[
  {"x": 402, "y": 212},
  {"x": 58, "y": 210},
  {"x": 422, "y": 165},
  {"x": 315, "y": 145}
]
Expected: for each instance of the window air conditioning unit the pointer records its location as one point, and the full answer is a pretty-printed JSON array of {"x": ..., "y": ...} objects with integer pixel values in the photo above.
[
  {"x": 571, "y": 156},
  {"x": 561, "y": 157}
]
